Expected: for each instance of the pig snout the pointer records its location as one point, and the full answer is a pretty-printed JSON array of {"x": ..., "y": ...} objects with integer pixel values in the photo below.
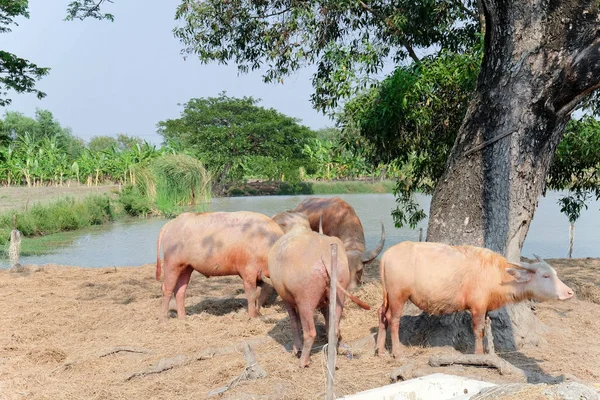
[{"x": 565, "y": 292}]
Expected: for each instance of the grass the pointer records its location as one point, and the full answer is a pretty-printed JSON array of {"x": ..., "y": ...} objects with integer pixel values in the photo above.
[
  {"x": 167, "y": 185},
  {"x": 38, "y": 246},
  {"x": 60, "y": 216}
]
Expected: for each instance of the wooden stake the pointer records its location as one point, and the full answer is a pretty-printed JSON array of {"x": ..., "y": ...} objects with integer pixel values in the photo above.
[
  {"x": 332, "y": 342},
  {"x": 571, "y": 239}
]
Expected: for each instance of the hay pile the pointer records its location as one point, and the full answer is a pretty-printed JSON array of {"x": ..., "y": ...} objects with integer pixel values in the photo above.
[{"x": 78, "y": 333}]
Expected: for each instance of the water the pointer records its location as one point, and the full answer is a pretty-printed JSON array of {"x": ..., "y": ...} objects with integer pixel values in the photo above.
[{"x": 133, "y": 242}]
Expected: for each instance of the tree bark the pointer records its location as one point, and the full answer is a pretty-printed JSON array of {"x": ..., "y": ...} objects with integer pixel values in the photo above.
[{"x": 541, "y": 59}]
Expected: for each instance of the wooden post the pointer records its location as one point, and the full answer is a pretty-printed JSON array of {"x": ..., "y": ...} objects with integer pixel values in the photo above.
[
  {"x": 332, "y": 342},
  {"x": 420, "y": 234},
  {"x": 571, "y": 239}
]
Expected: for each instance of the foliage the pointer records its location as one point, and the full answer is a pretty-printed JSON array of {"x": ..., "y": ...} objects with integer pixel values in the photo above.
[
  {"x": 39, "y": 151},
  {"x": 82, "y": 9},
  {"x": 572, "y": 205},
  {"x": 166, "y": 185},
  {"x": 576, "y": 166},
  {"x": 347, "y": 40},
  {"x": 102, "y": 143},
  {"x": 230, "y": 135},
  {"x": 62, "y": 215},
  {"x": 411, "y": 120},
  {"x": 134, "y": 202},
  {"x": 16, "y": 73}
]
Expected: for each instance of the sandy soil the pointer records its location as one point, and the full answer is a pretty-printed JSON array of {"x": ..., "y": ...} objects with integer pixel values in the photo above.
[
  {"x": 57, "y": 322},
  {"x": 18, "y": 197}
]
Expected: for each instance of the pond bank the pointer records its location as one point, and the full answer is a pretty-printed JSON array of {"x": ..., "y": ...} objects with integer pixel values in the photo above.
[{"x": 52, "y": 217}]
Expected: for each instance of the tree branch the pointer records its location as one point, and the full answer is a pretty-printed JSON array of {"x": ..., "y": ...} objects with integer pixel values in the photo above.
[
  {"x": 471, "y": 13},
  {"x": 275, "y": 14},
  {"x": 393, "y": 28},
  {"x": 581, "y": 78}
]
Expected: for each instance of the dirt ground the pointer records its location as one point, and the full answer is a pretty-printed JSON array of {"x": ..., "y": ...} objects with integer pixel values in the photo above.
[
  {"x": 18, "y": 197},
  {"x": 58, "y": 322}
]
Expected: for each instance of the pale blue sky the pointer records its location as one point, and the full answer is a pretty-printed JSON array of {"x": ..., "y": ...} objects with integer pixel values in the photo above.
[{"x": 125, "y": 76}]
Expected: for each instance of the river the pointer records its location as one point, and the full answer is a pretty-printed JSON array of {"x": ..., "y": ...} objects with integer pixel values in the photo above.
[{"x": 133, "y": 242}]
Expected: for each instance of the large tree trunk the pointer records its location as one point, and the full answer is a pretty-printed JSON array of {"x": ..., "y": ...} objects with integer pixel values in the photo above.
[{"x": 541, "y": 59}]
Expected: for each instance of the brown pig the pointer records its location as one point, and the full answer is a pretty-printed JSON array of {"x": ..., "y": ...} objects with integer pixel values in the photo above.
[
  {"x": 299, "y": 266},
  {"x": 215, "y": 244},
  {"x": 442, "y": 279},
  {"x": 339, "y": 219},
  {"x": 287, "y": 220}
]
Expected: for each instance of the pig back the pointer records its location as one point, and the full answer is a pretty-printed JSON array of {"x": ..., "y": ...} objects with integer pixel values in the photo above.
[
  {"x": 300, "y": 264},
  {"x": 221, "y": 243}
]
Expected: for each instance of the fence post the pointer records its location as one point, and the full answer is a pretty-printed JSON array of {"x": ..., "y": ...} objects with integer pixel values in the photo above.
[
  {"x": 571, "y": 239},
  {"x": 332, "y": 342}
]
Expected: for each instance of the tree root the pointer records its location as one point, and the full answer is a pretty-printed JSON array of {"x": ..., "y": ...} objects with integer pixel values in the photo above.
[
  {"x": 484, "y": 360},
  {"x": 406, "y": 372},
  {"x": 166, "y": 364},
  {"x": 251, "y": 372},
  {"x": 127, "y": 349},
  {"x": 358, "y": 345}
]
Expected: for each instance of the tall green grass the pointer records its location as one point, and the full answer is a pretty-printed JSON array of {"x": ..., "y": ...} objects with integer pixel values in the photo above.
[
  {"x": 167, "y": 185},
  {"x": 62, "y": 215}
]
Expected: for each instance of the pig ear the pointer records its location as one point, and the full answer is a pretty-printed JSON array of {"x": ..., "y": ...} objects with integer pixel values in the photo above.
[{"x": 520, "y": 275}]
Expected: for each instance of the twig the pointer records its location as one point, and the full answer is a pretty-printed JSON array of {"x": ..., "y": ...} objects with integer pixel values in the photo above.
[
  {"x": 488, "y": 142},
  {"x": 391, "y": 26},
  {"x": 251, "y": 372},
  {"x": 127, "y": 349},
  {"x": 484, "y": 360},
  {"x": 406, "y": 372},
  {"x": 179, "y": 360}
]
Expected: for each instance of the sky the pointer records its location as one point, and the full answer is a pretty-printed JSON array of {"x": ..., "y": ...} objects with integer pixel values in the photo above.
[{"x": 123, "y": 77}]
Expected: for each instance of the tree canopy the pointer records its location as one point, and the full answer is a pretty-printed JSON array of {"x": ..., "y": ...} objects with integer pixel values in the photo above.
[
  {"x": 16, "y": 73},
  {"x": 348, "y": 41},
  {"x": 229, "y": 134}
]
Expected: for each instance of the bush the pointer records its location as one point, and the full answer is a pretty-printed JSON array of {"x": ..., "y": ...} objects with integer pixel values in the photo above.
[
  {"x": 61, "y": 215},
  {"x": 134, "y": 203}
]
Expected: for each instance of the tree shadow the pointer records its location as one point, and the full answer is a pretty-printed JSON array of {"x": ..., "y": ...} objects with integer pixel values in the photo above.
[
  {"x": 455, "y": 331},
  {"x": 218, "y": 306},
  {"x": 282, "y": 332}
]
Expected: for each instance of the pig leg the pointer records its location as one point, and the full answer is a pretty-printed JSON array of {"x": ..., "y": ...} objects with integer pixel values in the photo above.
[
  {"x": 295, "y": 323},
  {"x": 325, "y": 312},
  {"x": 478, "y": 317},
  {"x": 250, "y": 289},
  {"x": 383, "y": 325},
  {"x": 168, "y": 286},
  {"x": 307, "y": 316},
  {"x": 180, "y": 288},
  {"x": 393, "y": 315},
  {"x": 339, "y": 309},
  {"x": 265, "y": 292}
]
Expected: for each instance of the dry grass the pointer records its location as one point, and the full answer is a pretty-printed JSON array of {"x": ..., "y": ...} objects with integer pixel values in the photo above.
[{"x": 57, "y": 320}]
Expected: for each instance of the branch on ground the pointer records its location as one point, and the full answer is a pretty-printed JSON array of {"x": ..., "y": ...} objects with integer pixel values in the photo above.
[
  {"x": 252, "y": 371},
  {"x": 481, "y": 360},
  {"x": 179, "y": 360}
]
